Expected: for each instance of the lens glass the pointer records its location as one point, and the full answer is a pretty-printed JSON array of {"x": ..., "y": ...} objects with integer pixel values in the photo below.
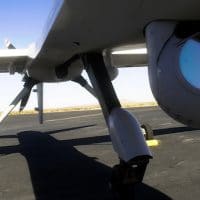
[{"x": 190, "y": 62}]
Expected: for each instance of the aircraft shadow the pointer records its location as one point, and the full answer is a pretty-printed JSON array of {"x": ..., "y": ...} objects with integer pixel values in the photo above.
[
  {"x": 166, "y": 131},
  {"x": 59, "y": 171}
]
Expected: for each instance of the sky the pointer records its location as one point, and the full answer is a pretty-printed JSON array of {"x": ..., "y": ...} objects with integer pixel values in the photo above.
[{"x": 22, "y": 22}]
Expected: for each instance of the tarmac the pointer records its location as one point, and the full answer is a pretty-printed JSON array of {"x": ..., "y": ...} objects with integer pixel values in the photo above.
[{"x": 71, "y": 157}]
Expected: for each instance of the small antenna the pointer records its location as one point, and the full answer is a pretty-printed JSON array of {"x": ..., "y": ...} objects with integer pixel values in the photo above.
[{"x": 8, "y": 44}]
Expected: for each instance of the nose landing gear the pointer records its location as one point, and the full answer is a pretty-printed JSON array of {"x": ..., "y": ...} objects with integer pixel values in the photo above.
[{"x": 126, "y": 135}]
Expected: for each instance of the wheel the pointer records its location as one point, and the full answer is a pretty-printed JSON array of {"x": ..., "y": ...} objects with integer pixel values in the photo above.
[
  {"x": 121, "y": 189},
  {"x": 148, "y": 131},
  {"x": 126, "y": 175}
]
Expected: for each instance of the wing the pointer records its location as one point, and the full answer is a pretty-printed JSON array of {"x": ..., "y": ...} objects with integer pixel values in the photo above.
[
  {"x": 129, "y": 60},
  {"x": 14, "y": 60},
  {"x": 129, "y": 56}
]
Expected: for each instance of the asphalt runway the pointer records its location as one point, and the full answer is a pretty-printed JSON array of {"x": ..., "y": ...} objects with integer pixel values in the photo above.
[{"x": 71, "y": 156}]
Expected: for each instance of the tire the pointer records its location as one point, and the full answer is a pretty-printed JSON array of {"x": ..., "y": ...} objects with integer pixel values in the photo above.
[
  {"x": 120, "y": 190},
  {"x": 148, "y": 130}
]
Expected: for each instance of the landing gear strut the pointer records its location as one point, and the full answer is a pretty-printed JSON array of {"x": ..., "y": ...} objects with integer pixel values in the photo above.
[{"x": 127, "y": 138}]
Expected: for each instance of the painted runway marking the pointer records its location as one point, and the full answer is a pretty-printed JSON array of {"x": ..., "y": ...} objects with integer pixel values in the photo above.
[
  {"x": 169, "y": 123},
  {"x": 152, "y": 143},
  {"x": 76, "y": 117}
]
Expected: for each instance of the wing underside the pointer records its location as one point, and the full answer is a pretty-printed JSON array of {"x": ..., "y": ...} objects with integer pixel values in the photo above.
[
  {"x": 129, "y": 56},
  {"x": 129, "y": 60},
  {"x": 13, "y": 60}
]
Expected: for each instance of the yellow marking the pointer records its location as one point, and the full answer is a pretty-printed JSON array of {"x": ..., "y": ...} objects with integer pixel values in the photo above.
[{"x": 152, "y": 143}]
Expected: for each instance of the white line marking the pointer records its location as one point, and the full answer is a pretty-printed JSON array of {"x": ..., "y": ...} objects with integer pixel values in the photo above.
[
  {"x": 76, "y": 117},
  {"x": 166, "y": 124}
]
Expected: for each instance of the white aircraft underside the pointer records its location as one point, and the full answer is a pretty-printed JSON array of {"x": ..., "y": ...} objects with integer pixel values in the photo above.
[{"x": 79, "y": 26}]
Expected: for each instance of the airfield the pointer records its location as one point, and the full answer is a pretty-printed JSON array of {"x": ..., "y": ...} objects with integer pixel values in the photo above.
[{"x": 70, "y": 157}]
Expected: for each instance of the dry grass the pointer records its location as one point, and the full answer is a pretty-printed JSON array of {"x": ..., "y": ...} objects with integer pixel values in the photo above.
[
  {"x": 138, "y": 104},
  {"x": 86, "y": 107}
]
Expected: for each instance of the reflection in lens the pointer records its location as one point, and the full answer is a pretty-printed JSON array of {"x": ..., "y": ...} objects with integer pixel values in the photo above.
[{"x": 190, "y": 62}]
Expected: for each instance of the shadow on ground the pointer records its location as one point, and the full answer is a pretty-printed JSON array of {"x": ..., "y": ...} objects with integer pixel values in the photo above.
[
  {"x": 59, "y": 171},
  {"x": 166, "y": 131}
]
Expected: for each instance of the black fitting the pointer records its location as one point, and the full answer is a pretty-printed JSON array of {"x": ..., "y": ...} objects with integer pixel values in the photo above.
[
  {"x": 80, "y": 80},
  {"x": 29, "y": 82},
  {"x": 62, "y": 70},
  {"x": 185, "y": 29}
]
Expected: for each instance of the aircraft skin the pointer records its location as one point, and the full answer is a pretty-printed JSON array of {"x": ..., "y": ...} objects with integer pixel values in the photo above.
[
  {"x": 83, "y": 26},
  {"x": 76, "y": 27}
]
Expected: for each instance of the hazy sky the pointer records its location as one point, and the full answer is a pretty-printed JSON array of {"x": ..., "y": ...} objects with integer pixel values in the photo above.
[{"x": 22, "y": 22}]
